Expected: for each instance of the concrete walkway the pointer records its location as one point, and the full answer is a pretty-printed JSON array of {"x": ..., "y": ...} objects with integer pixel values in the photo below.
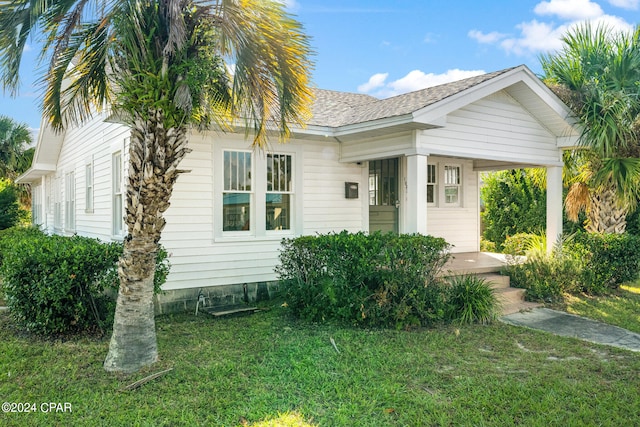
[{"x": 569, "y": 325}]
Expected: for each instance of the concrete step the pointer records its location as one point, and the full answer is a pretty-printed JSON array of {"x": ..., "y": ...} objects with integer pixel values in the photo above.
[
  {"x": 497, "y": 281},
  {"x": 510, "y": 295}
]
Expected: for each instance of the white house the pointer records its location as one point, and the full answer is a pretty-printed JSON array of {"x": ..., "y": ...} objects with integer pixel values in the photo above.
[{"x": 408, "y": 164}]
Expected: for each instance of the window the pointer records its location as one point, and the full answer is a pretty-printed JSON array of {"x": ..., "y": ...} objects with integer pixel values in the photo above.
[
  {"x": 57, "y": 204},
  {"x": 237, "y": 191},
  {"x": 279, "y": 190},
  {"x": 452, "y": 185},
  {"x": 36, "y": 205},
  {"x": 88, "y": 191},
  {"x": 70, "y": 202},
  {"x": 117, "y": 200},
  {"x": 432, "y": 184}
]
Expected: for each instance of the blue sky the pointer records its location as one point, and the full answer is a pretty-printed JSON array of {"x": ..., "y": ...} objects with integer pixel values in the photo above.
[{"x": 385, "y": 48}]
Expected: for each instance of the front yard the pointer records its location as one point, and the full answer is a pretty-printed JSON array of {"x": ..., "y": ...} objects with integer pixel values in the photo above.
[{"x": 267, "y": 369}]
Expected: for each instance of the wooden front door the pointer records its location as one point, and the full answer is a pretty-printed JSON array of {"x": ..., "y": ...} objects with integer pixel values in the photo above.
[{"x": 383, "y": 195}]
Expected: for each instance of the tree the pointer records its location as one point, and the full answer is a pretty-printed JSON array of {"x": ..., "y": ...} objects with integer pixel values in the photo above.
[
  {"x": 160, "y": 66},
  {"x": 14, "y": 139},
  {"x": 597, "y": 73},
  {"x": 514, "y": 203}
]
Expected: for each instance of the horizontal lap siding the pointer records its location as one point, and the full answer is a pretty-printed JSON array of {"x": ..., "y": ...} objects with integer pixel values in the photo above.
[
  {"x": 494, "y": 127},
  {"x": 199, "y": 260},
  {"x": 325, "y": 207},
  {"x": 92, "y": 140},
  {"x": 458, "y": 226}
]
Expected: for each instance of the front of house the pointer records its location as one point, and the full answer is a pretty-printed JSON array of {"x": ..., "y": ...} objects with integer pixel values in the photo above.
[{"x": 406, "y": 164}]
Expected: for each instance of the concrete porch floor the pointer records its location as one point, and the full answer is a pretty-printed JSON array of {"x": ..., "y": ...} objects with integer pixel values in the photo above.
[{"x": 475, "y": 263}]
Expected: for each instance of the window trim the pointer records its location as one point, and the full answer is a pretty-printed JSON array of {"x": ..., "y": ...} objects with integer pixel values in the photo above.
[
  {"x": 57, "y": 204},
  {"x": 70, "y": 202},
  {"x": 458, "y": 185},
  {"x": 89, "y": 187},
  {"x": 258, "y": 230},
  {"x": 433, "y": 183},
  {"x": 290, "y": 192},
  {"x": 117, "y": 192},
  {"x": 251, "y": 192}
]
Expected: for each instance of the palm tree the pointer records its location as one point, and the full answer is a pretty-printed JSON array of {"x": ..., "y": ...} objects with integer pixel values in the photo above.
[
  {"x": 160, "y": 66},
  {"x": 14, "y": 139},
  {"x": 597, "y": 73}
]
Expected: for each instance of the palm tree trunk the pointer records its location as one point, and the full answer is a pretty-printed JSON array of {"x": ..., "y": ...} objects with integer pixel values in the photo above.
[
  {"x": 604, "y": 214},
  {"x": 154, "y": 155}
]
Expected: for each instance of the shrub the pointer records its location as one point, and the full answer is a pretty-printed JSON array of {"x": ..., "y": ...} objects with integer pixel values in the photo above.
[
  {"x": 55, "y": 284},
  {"x": 513, "y": 203},
  {"x": 545, "y": 277},
  {"x": 376, "y": 280},
  {"x": 9, "y": 206},
  {"x": 608, "y": 260},
  {"x": 525, "y": 244},
  {"x": 471, "y": 299}
]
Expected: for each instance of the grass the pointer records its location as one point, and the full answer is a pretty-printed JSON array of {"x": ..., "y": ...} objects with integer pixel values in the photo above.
[
  {"x": 622, "y": 308},
  {"x": 268, "y": 370}
]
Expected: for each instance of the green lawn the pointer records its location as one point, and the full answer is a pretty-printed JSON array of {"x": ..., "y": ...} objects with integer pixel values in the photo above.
[
  {"x": 620, "y": 309},
  {"x": 267, "y": 369}
]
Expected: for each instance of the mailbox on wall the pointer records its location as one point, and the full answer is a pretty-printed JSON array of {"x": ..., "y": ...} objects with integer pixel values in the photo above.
[{"x": 351, "y": 190}]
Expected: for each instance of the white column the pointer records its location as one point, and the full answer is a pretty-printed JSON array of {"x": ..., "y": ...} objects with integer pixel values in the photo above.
[
  {"x": 554, "y": 205},
  {"x": 416, "y": 197}
]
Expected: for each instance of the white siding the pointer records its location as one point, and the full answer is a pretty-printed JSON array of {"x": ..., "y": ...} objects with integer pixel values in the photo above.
[
  {"x": 199, "y": 258},
  {"x": 496, "y": 127},
  {"x": 457, "y": 225}
]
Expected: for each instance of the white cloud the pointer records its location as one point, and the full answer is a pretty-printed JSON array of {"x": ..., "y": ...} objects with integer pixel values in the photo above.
[
  {"x": 542, "y": 35},
  {"x": 626, "y": 4},
  {"x": 414, "y": 80},
  {"x": 486, "y": 38},
  {"x": 375, "y": 81},
  {"x": 569, "y": 9}
]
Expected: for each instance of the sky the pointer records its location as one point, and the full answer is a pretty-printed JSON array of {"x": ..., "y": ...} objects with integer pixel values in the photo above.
[{"x": 384, "y": 48}]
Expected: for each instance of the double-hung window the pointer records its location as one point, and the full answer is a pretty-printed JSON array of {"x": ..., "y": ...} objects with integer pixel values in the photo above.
[
  {"x": 432, "y": 184},
  {"x": 117, "y": 216},
  {"x": 88, "y": 187},
  {"x": 57, "y": 204},
  {"x": 279, "y": 191},
  {"x": 237, "y": 191},
  {"x": 452, "y": 184},
  {"x": 70, "y": 202}
]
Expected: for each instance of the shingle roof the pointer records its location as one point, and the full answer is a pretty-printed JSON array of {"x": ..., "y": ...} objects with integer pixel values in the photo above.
[{"x": 334, "y": 109}]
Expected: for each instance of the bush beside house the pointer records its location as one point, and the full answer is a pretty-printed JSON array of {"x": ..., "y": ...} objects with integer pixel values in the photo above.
[
  {"x": 386, "y": 280},
  {"x": 56, "y": 284},
  {"x": 591, "y": 263}
]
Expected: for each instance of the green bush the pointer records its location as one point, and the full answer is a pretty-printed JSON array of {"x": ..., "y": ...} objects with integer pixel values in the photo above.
[
  {"x": 471, "y": 299},
  {"x": 525, "y": 244},
  {"x": 608, "y": 260},
  {"x": 545, "y": 277},
  {"x": 55, "y": 284},
  {"x": 513, "y": 203},
  {"x": 374, "y": 280},
  {"x": 9, "y": 206}
]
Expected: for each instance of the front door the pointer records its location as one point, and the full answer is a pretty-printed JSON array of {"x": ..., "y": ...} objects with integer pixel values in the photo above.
[{"x": 383, "y": 195}]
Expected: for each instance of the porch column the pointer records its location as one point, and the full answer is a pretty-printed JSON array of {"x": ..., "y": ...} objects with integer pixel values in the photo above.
[
  {"x": 416, "y": 197},
  {"x": 554, "y": 205}
]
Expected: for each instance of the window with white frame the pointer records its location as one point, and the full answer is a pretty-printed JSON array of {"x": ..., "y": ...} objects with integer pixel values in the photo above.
[
  {"x": 36, "y": 205},
  {"x": 88, "y": 187},
  {"x": 117, "y": 198},
  {"x": 57, "y": 204},
  {"x": 432, "y": 184},
  {"x": 279, "y": 191},
  {"x": 452, "y": 184},
  {"x": 70, "y": 201},
  {"x": 237, "y": 191}
]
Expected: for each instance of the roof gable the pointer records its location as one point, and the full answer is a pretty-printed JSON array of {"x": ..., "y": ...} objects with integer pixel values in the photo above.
[{"x": 349, "y": 113}]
